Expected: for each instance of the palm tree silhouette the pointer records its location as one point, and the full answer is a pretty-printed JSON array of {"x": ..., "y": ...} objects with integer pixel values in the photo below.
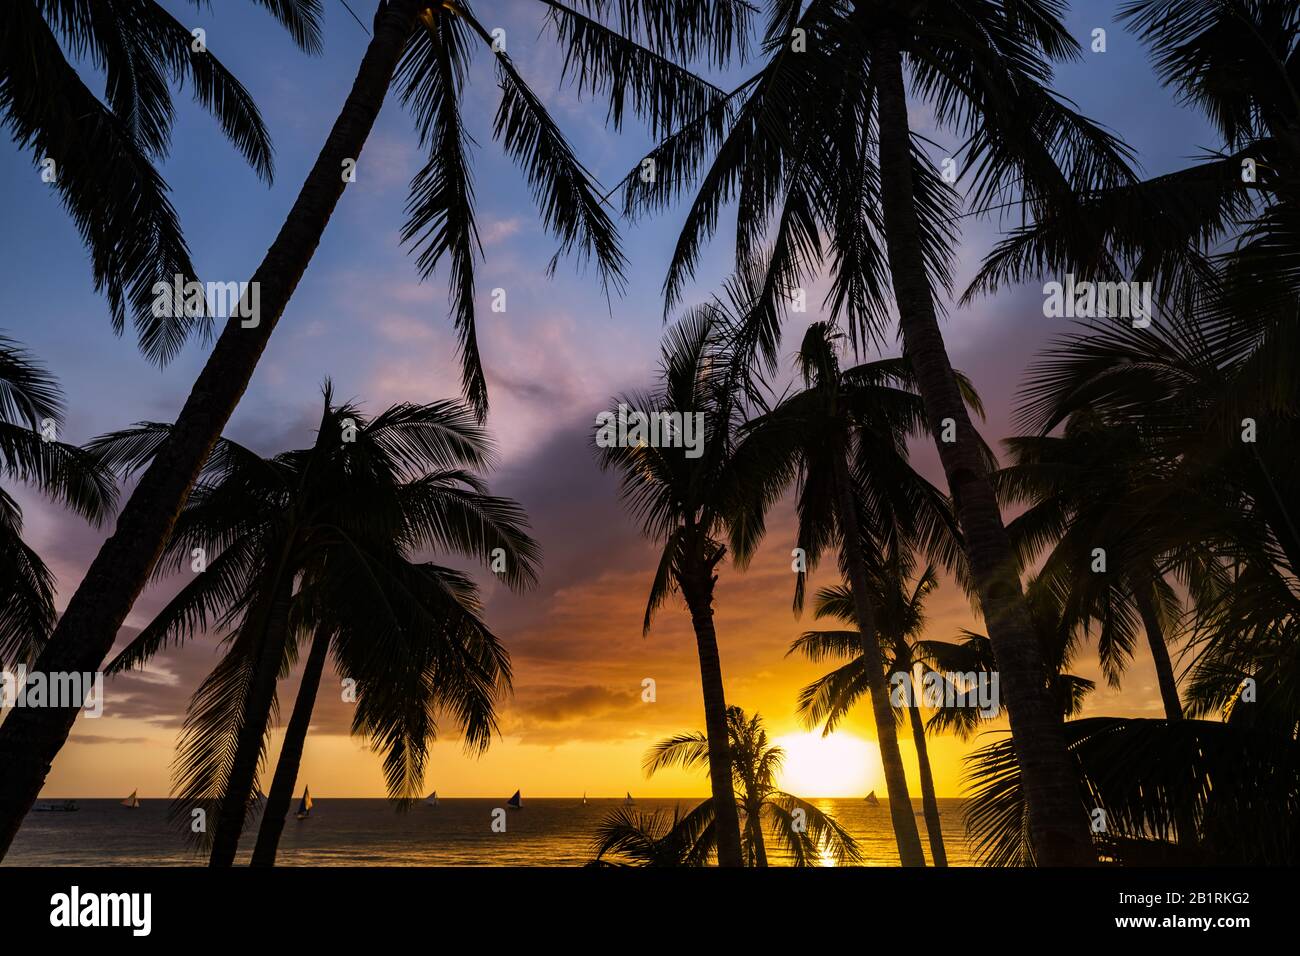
[
  {"x": 423, "y": 50},
  {"x": 102, "y": 157},
  {"x": 818, "y": 143},
  {"x": 432, "y": 655},
  {"x": 103, "y": 151},
  {"x": 1218, "y": 240},
  {"x": 1085, "y": 492},
  {"x": 316, "y": 543},
  {"x": 802, "y": 830},
  {"x": 628, "y": 836},
  {"x": 1220, "y": 234},
  {"x": 843, "y": 441},
  {"x": 1215, "y": 508},
  {"x": 31, "y": 412},
  {"x": 900, "y": 621},
  {"x": 828, "y": 699},
  {"x": 689, "y": 503},
  {"x": 1239, "y": 784}
]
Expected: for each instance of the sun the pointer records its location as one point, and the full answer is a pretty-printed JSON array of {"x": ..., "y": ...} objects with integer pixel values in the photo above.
[{"x": 840, "y": 765}]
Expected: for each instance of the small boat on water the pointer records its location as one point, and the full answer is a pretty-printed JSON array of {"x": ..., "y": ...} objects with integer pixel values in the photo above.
[
  {"x": 432, "y": 800},
  {"x": 132, "y": 802},
  {"x": 871, "y": 799},
  {"x": 67, "y": 806},
  {"x": 304, "y": 808},
  {"x": 584, "y": 798},
  {"x": 516, "y": 802},
  {"x": 629, "y": 802}
]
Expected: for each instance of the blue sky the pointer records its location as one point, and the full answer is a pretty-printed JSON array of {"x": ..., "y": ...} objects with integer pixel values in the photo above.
[{"x": 362, "y": 317}]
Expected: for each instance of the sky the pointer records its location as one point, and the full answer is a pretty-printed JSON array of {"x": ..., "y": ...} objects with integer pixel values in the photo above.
[{"x": 361, "y": 317}]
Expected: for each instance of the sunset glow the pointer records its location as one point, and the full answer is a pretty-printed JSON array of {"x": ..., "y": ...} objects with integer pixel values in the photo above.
[{"x": 840, "y": 765}]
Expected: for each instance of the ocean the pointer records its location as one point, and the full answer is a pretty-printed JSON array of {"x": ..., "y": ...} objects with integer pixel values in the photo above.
[{"x": 457, "y": 832}]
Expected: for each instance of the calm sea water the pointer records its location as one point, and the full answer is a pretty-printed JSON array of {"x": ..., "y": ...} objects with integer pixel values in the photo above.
[{"x": 554, "y": 832}]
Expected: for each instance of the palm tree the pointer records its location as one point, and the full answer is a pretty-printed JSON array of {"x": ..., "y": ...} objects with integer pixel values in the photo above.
[
  {"x": 1218, "y": 236},
  {"x": 316, "y": 543},
  {"x": 802, "y": 830},
  {"x": 843, "y": 439},
  {"x": 828, "y": 699},
  {"x": 1086, "y": 489},
  {"x": 1218, "y": 240},
  {"x": 1241, "y": 786},
  {"x": 818, "y": 143},
  {"x": 1219, "y": 503},
  {"x": 900, "y": 621},
  {"x": 424, "y": 50},
  {"x": 31, "y": 412},
  {"x": 1213, "y": 505},
  {"x": 100, "y": 157},
  {"x": 627, "y": 836},
  {"x": 99, "y": 154},
  {"x": 434, "y": 656},
  {"x": 688, "y": 501}
]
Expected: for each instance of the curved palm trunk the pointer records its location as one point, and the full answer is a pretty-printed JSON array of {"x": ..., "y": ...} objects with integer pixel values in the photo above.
[
  {"x": 1057, "y": 823},
  {"x": 891, "y": 758},
  {"x": 1143, "y": 597},
  {"x": 699, "y": 599},
  {"x": 286, "y": 768},
  {"x": 233, "y": 807},
  {"x": 929, "y": 802},
  {"x": 31, "y": 737}
]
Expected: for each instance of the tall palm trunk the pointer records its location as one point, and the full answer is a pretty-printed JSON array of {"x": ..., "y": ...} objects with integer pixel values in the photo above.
[
  {"x": 233, "y": 806},
  {"x": 31, "y": 737},
  {"x": 286, "y": 768},
  {"x": 1057, "y": 823},
  {"x": 697, "y": 589},
  {"x": 1143, "y": 596},
  {"x": 891, "y": 758},
  {"x": 929, "y": 802}
]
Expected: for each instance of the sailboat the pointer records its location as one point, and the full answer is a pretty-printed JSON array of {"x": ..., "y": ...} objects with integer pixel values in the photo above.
[
  {"x": 629, "y": 801},
  {"x": 132, "y": 801},
  {"x": 515, "y": 802},
  {"x": 584, "y": 798},
  {"x": 871, "y": 799},
  {"x": 432, "y": 800},
  {"x": 304, "y": 808}
]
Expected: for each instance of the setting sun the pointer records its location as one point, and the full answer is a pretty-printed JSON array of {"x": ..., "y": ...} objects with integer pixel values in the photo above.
[{"x": 840, "y": 765}]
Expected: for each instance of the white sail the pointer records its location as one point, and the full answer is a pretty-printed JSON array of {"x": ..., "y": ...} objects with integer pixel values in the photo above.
[
  {"x": 304, "y": 808},
  {"x": 132, "y": 801}
]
